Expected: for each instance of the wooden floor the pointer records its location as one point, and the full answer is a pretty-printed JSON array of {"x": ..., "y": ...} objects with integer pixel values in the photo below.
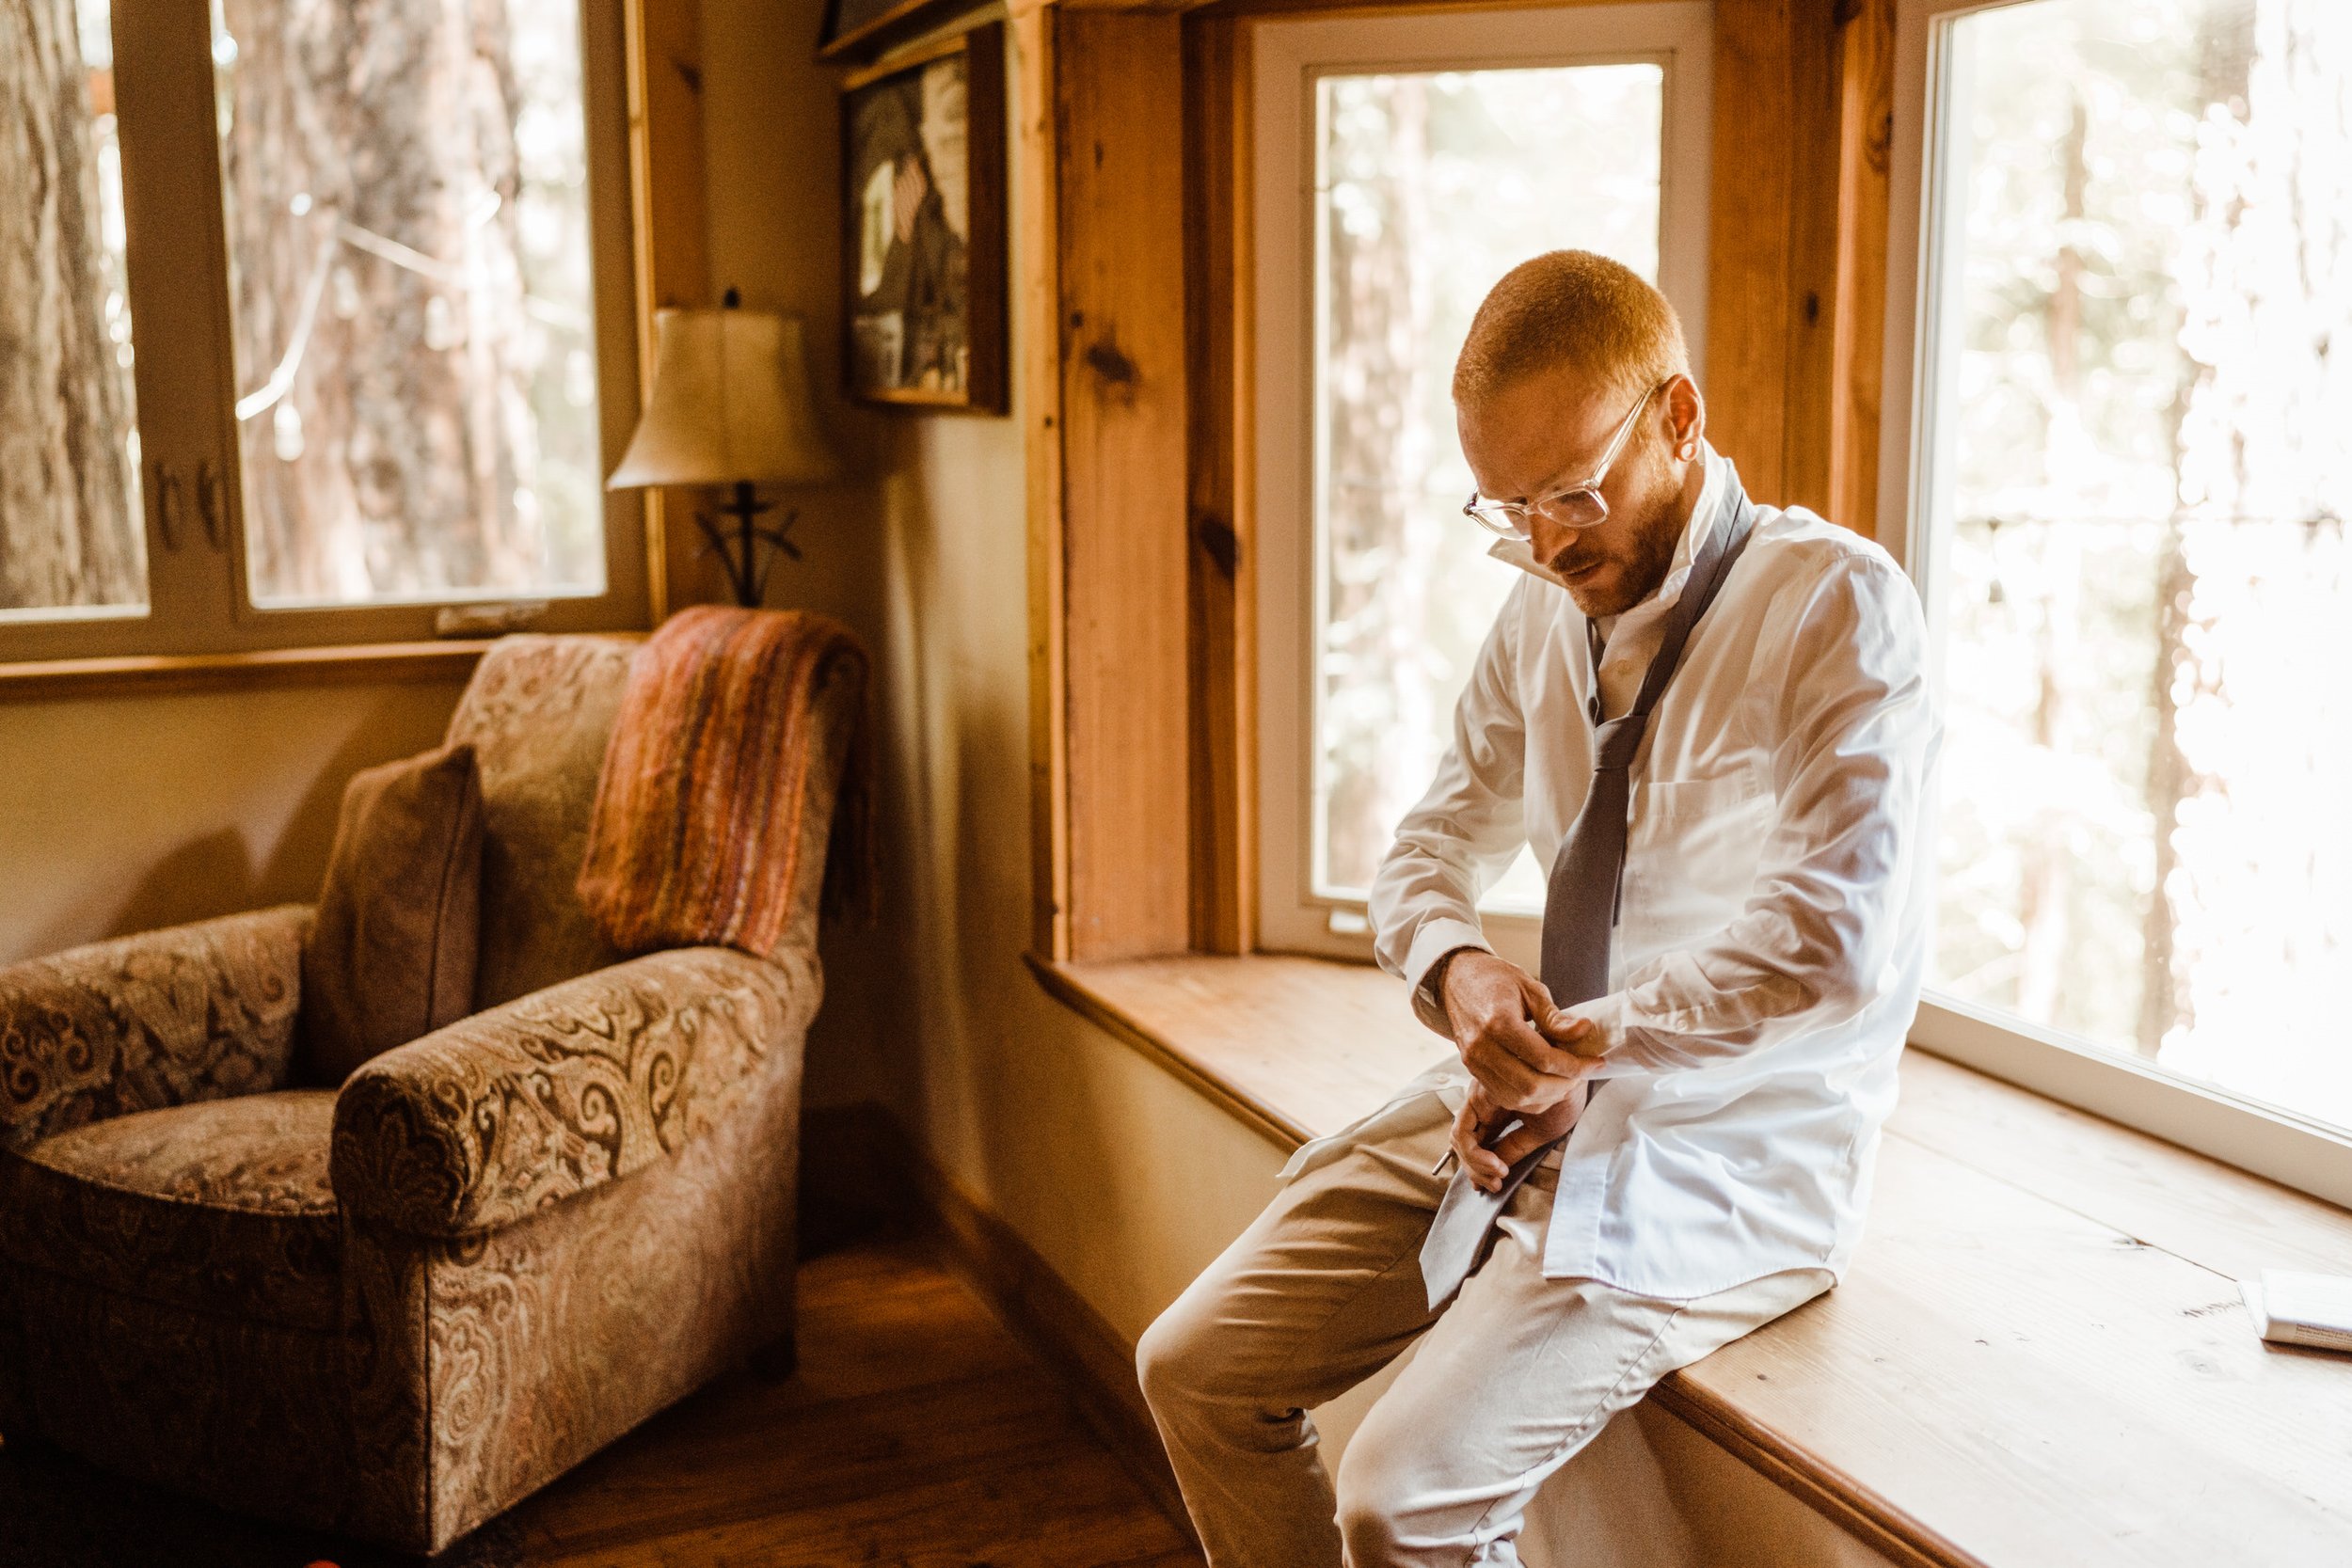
[{"x": 917, "y": 1434}]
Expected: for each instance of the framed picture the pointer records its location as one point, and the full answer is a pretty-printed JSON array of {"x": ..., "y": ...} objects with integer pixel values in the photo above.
[
  {"x": 859, "y": 27},
  {"x": 923, "y": 211}
]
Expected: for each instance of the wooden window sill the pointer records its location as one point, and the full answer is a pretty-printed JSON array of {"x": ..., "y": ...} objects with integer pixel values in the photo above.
[
  {"x": 2039, "y": 1356},
  {"x": 140, "y": 674}
]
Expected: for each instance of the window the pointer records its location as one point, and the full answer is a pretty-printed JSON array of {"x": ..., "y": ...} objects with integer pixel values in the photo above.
[
  {"x": 356, "y": 379},
  {"x": 1404, "y": 164},
  {"x": 2125, "y": 508},
  {"x": 70, "y": 543}
]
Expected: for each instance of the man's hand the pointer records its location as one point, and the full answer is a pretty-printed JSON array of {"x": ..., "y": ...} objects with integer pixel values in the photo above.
[
  {"x": 1522, "y": 1051},
  {"x": 1479, "y": 1119}
]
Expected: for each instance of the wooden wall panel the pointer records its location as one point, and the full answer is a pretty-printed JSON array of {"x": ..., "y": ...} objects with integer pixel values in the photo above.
[
  {"x": 1132, "y": 210},
  {"x": 1120, "y": 127},
  {"x": 1754, "y": 182},
  {"x": 1814, "y": 185},
  {"x": 1796, "y": 281},
  {"x": 1865, "y": 135},
  {"x": 1222, "y": 573},
  {"x": 1036, "y": 366},
  {"x": 664, "y": 41}
]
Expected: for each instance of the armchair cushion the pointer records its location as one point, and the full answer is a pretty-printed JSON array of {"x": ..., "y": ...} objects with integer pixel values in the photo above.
[
  {"x": 569, "y": 1088},
  {"x": 391, "y": 955},
  {"x": 166, "y": 1018},
  {"x": 220, "y": 1207},
  {"x": 537, "y": 714}
]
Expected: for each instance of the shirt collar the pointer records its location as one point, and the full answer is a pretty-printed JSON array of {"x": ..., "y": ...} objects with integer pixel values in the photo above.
[{"x": 1520, "y": 553}]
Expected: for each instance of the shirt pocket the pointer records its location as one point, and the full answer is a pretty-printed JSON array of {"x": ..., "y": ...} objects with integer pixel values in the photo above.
[{"x": 1692, "y": 855}]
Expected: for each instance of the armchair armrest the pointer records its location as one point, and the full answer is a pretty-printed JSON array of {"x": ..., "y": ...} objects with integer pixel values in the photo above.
[
  {"x": 502, "y": 1114},
  {"x": 138, "y": 1024}
]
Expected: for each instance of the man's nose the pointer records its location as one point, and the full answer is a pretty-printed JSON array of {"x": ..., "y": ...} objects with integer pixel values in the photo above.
[{"x": 1547, "y": 539}]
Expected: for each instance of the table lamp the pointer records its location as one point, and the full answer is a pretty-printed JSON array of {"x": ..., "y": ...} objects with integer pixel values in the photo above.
[{"x": 730, "y": 405}]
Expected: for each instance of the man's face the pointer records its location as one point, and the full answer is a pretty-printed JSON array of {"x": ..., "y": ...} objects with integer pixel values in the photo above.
[{"x": 1550, "y": 430}]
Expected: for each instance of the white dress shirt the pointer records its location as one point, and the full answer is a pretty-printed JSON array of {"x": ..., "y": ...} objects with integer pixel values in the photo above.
[{"x": 1771, "y": 943}]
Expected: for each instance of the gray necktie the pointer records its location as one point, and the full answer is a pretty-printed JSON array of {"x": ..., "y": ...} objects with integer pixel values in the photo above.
[{"x": 1581, "y": 904}]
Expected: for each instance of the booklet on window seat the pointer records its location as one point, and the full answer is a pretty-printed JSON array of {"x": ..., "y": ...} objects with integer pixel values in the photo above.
[{"x": 2296, "y": 1308}]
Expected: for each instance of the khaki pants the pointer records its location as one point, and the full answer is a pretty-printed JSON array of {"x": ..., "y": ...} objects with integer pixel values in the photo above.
[{"x": 1511, "y": 1380}]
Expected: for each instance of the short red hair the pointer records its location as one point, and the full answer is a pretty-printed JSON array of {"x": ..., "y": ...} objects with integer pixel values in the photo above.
[{"x": 1576, "y": 308}]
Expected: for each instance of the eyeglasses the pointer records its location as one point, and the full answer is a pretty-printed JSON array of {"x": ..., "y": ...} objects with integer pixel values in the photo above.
[{"x": 1579, "y": 506}]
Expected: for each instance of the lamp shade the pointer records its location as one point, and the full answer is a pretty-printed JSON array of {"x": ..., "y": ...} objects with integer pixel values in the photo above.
[{"x": 730, "y": 403}]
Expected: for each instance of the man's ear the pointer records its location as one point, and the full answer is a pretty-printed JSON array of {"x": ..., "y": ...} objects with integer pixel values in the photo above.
[{"x": 1685, "y": 415}]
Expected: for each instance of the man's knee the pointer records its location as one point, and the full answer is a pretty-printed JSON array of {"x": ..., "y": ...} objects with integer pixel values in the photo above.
[
  {"x": 1175, "y": 1359},
  {"x": 1392, "y": 1508}
]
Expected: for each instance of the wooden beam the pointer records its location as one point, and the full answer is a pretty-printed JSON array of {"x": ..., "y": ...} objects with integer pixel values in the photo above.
[
  {"x": 1747, "y": 274},
  {"x": 666, "y": 202},
  {"x": 1865, "y": 132},
  {"x": 1222, "y": 567},
  {"x": 1807, "y": 377},
  {"x": 1117, "y": 79},
  {"x": 1038, "y": 365},
  {"x": 1796, "y": 290}
]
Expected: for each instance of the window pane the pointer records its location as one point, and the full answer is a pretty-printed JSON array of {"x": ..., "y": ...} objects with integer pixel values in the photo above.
[
  {"x": 71, "y": 540},
  {"x": 408, "y": 218},
  {"x": 2144, "y": 438},
  {"x": 1432, "y": 185}
]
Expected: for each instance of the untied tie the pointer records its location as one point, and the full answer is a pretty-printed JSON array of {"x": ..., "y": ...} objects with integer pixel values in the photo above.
[{"x": 1580, "y": 902}]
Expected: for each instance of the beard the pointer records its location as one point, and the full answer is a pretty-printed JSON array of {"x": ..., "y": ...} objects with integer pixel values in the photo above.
[{"x": 1610, "y": 575}]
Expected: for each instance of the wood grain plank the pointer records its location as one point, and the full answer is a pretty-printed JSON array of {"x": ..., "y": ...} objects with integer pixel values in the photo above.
[
  {"x": 1037, "y": 352},
  {"x": 1263, "y": 1033},
  {"x": 2029, "y": 1385},
  {"x": 662, "y": 39},
  {"x": 1866, "y": 131},
  {"x": 2038, "y": 1357},
  {"x": 1816, "y": 186},
  {"x": 1753, "y": 182},
  {"x": 2156, "y": 1193},
  {"x": 1117, "y": 80},
  {"x": 359, "y": 664},
  {"x": 1221, "y": 577}
]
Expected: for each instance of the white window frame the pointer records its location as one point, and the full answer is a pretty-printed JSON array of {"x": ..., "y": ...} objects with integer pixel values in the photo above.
[
  {"x": 2265, "y": 1140},
  {"x": 197, "y": 599},
  {"x": 1287, "y": 56}
]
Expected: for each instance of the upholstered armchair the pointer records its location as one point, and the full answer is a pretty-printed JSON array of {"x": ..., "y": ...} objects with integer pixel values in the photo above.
[{"x": 393, "y": 1307}]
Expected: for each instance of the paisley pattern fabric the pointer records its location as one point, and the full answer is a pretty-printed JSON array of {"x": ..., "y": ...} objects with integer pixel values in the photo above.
[
  {"x": 223, "y": 1207},
  {"x": 168, "y": 1018},
  {"x": 539, "y": 714},
  {"x": 394, "y": 1309},
  {"x": 501, "y": 1115},
  {"x": 464, "y": 1373},
  {"x": 536, "y": 1345}
]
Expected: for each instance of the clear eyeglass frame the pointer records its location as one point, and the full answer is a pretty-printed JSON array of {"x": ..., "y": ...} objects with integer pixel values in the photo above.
[{"x": 1579, "y": 506}]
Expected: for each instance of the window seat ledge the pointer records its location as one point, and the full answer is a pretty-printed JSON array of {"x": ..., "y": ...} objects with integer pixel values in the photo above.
[
  {"x": 448, "y": 659},
  {"x": 2039, "y": 1356}
]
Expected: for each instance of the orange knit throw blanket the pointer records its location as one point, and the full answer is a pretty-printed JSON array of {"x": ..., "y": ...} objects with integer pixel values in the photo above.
[{"x": 695, "y": 837}]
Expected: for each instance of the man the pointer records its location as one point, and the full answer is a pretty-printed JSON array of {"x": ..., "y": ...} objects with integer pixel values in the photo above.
[{"x": 1739, "y": 694}]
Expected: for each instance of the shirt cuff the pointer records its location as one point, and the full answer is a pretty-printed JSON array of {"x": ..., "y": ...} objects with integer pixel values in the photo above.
[
  {"x": 1611, "y": 1020},
  {"x": 1434, "y": 940}
]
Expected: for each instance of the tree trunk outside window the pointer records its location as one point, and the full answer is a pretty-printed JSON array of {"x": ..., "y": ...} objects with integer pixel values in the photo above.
[{"x": 70, "y": 530}]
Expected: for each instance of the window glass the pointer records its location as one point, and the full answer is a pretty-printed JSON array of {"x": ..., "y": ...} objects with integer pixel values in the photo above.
[
  {"x": 1430, "y": 187},
  {"x": 71, "y": 540},
  {"x": 406, "y": 192},
  {"x": 2142, "y": 446}
]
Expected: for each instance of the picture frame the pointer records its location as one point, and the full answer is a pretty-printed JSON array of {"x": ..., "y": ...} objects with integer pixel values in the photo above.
[
  {"x": 923, "y": 205},
  {"x": 860, "y": 28}
]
